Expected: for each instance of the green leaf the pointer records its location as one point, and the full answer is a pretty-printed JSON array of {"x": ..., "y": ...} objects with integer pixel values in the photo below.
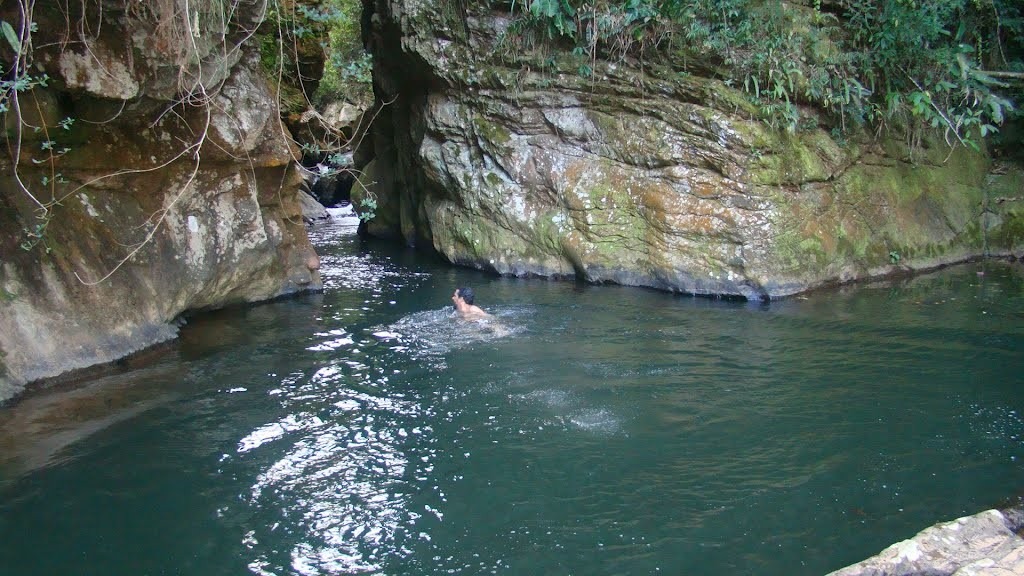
[
  {"x": 547, "y": 8},
  {"x": 11, "y": 36},
  {"x": 996, "y": 106}
]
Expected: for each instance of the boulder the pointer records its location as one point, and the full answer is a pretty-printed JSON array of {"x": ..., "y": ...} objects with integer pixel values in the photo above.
[
  {"x": 986, "y": 544},
  {"x": 312, "y": 211}
]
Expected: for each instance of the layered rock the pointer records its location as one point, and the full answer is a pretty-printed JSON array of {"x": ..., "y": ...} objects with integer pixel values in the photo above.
[
  {"x": 641, "y": 175},
  {"x": 173, "y": 188},
  {"x": 986, "y": 544}
]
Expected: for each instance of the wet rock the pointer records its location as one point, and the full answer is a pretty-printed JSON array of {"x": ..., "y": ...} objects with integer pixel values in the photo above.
[
  {"x": 986, "y": 544},
  {"x": 164, "y": 203},
  {"x": 502, "y": 160},
  {"x": 312, "y": 211}
]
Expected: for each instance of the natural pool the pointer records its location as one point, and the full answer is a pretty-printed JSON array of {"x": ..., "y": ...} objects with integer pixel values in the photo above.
[{"x": 597, "y": 430}]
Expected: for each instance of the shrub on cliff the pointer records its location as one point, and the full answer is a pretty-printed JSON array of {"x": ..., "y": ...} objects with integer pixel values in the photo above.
[
  {"x": 315, "y": 48},
  {"x": 948, "y": 64}
]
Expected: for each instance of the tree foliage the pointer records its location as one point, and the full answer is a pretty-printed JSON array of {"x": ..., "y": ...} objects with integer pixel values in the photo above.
[
  {"x": 949, "y": 64},
  {"x": 316, "y": 48}
]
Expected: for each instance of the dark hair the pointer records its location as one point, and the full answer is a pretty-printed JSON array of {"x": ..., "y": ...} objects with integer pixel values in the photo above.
[{"x": 466, "y": 293}]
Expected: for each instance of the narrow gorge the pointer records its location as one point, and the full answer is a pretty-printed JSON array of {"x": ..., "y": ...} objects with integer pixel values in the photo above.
[{"x": 788, "y": 393}]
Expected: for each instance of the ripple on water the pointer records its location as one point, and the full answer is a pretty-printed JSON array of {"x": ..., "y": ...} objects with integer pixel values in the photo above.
[
  {"x": 331, "y": 340},
  {"x": 348, "y": 478},
  {"x": 599, "y": 420},
  {"x": 343, "y": 474},
  {"x": 562, "y": 409},
  {"x": 633, "y": 435},
  {"x": 433, "y": 333}
]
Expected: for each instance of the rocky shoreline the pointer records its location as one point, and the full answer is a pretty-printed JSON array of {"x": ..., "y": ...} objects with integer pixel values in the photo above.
[{"x": 986, "y": 544}]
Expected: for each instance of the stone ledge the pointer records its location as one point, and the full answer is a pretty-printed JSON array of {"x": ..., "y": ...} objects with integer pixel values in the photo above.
[{"x": 985, "y": 544}]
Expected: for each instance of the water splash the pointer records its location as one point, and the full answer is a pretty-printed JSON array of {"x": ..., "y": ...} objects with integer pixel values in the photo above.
[{"x": 433, "y": 333}]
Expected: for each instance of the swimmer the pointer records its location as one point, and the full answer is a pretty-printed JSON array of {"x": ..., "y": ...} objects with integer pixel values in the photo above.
[{"x": 463, "y": 300}]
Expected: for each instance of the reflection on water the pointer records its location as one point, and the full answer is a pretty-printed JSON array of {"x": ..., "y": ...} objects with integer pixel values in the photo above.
[
  {"x": 37, "y": 430},
  {"x": 590, "y": 430},
  {"x": 346, "y": 483}
]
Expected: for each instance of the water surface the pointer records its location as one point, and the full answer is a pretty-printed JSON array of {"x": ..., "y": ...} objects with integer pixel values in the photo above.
[{"x": 582, "y": 430}]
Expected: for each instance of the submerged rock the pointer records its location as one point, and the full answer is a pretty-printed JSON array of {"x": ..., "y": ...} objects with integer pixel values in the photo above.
[
  {"x": 516, "y": 163},
  {"x": 986, "y": 544}
]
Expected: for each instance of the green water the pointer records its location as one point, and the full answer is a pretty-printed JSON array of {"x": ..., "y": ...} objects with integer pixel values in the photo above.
[{"x": 587, "y": 430}]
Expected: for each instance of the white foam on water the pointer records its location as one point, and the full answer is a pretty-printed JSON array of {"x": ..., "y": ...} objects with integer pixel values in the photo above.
[
  {"x": 567, "y": 412},
  {"x": 599, "y": 420},
  {"x": 553, "y": 398},
  {"x": 437, "y": 332},
  {"x": 342, "y": 212}
]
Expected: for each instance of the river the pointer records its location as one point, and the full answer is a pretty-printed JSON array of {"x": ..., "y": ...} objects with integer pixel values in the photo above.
[{"x": 584, "y": 430}]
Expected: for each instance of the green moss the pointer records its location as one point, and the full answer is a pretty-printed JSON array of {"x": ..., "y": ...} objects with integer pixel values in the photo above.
[
  {"x": 642, "y": 137},
  {"x": 1009, "y": 234},
  {"x": 788, "y": 251},
  {"x": 781, "y": 158},
  {"x": 858, "y": 220},
  {"x": 798, "y": 248},
  {"x": 546, "y": 235},
  {"x": 1003, "y": 193},
  {"x": 726, "y": 98},
  {"x": 812, "y": 247},
  {"x": 851, "y": 246},
  {"x": 1008, "y": 185},
  {"x": 921, "y": 212},
  {"x": 613, "y": 222},
  {"x": 492, "y": 132}
]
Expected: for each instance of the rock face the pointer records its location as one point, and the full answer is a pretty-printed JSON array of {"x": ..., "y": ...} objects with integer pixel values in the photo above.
[
  {"x": 312, "y": 211},
  {"x": 986, "y": 544},
  {"x": 643, "y": 176},
  {"x": 173, "y": 188}
]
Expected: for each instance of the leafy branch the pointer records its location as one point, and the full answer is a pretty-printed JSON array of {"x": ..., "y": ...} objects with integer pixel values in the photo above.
[{"x": 890, "y": 64}]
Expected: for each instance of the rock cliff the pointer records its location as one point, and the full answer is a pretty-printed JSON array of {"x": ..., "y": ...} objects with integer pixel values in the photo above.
[
  {"x": 637, "y": 174},
  {"x": 146, "y": 176}
]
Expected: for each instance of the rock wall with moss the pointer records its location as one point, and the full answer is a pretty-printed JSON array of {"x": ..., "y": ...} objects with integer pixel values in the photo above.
[
  {"x": 512, "y": 161},
  {"x": 172, "y": 187}
]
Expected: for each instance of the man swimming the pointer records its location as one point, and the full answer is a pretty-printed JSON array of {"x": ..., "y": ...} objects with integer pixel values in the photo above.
[{"x": 463, "y": 300}]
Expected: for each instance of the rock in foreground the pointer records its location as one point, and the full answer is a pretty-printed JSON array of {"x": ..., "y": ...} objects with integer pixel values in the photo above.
[{"x": 986, "y": 544}]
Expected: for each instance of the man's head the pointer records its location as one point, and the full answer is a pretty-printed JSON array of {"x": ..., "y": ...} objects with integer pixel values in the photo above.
[{"x": 466, "y": 293}]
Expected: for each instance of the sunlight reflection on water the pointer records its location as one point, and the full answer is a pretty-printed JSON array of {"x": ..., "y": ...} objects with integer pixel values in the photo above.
[
  {"x": 343, "y": 477},
  {"x": 335, "y": 476},
  {"x": 340, "y": 479},
  {"x": 590, "y": 430}
]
